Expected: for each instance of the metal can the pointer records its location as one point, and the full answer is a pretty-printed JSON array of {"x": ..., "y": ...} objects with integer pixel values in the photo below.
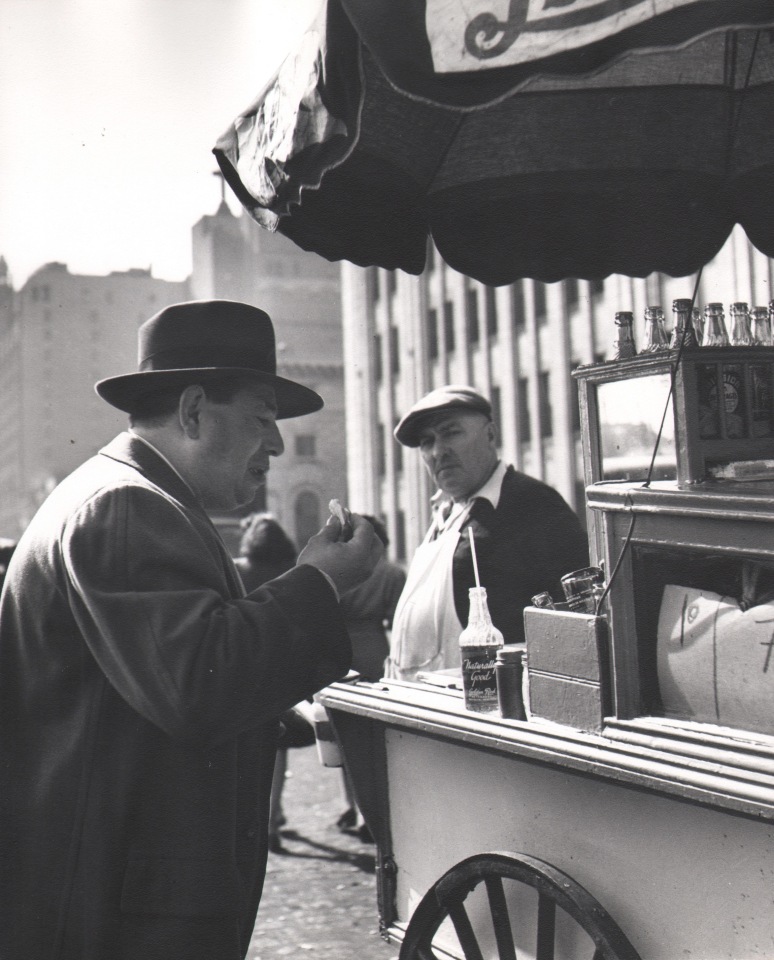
[{"x": 508, "y": 670}]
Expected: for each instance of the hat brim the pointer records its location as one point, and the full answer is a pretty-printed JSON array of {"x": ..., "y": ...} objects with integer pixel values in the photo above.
[
  {"x": 293, "y": 399},
  {"x": 407, "y": 431}
]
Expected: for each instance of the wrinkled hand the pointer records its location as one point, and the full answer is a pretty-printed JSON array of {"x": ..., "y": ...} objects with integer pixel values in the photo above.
[{"x": 346, "y": 563}]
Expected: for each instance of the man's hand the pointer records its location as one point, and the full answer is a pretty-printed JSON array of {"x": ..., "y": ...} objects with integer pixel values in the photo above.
[{"x": 346, "y": 563}]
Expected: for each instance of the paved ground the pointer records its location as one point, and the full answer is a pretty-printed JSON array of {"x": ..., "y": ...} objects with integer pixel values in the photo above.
[{"x": 320, "y": 895}]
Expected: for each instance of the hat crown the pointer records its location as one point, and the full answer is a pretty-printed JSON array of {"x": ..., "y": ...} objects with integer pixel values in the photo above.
[{"x": 207, "y": 333}]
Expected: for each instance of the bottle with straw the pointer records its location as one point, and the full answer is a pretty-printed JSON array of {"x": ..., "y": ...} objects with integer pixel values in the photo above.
[{"x": 479, "y": 643}]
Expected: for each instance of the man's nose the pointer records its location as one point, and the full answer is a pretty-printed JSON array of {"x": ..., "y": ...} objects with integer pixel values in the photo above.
[{"x": 274, "y": 442}]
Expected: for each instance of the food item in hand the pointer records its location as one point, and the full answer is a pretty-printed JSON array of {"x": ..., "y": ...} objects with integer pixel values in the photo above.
[{"x": 343, "y": 516}]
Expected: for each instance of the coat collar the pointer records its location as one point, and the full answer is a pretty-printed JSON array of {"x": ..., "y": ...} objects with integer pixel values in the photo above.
[{"x": 131, "y": 450}]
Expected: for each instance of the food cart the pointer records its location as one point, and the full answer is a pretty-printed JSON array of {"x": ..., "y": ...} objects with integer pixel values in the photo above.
[
  {"x": 645, "y": 773},
  {"x": 632, "y": 814}
]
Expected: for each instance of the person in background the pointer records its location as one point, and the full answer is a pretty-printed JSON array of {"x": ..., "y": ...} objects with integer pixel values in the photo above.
[
  {"x": 266, "y": 552},
  {"x": 139, "y": 685},
  {"x": 526, "y": 537},
  {"x": 368, "y": 610}
]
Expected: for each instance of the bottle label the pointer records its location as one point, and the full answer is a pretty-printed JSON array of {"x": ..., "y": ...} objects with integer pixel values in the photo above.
[
  {"x": 710, "y": 418},
  {"x": 479, "y": 680}
]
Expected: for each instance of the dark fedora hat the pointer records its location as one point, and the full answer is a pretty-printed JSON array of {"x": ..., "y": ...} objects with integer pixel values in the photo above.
[
  {"x": 437, "y": 401},
  {"x": 202, "y": 340}
]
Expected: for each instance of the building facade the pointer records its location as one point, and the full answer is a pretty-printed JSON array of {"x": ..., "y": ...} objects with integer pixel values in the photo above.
[
  {"x": 517, "y": 344},
  {"x": 59, "y": 334}
]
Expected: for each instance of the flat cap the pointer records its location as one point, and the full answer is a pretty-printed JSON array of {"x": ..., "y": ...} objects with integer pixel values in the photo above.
[{"x": 444, "y": 398}]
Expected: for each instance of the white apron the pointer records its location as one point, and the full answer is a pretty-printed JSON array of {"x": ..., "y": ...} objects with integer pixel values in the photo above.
[{"x": 426, "y": 629}]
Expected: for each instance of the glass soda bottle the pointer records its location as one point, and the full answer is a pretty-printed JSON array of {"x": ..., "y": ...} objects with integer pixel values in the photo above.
[
  {"x": 683, "y": 333},
  {"x": 715, "y": 333},
  {"x": 656, "y": 338},
  {"x": 623, "y": 346},
  {"x": 741, "y": 334},
  {"x": 698, "y": 324},
  {"x": 479, "y": 643},
  {"x": 761, "y": 326}
]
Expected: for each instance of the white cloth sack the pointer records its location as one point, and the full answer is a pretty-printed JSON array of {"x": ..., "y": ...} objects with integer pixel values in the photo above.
[{"x": 716, "y": 661}]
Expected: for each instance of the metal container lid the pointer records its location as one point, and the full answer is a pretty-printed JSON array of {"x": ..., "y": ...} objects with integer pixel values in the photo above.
[{"x": 511, "y": 653}]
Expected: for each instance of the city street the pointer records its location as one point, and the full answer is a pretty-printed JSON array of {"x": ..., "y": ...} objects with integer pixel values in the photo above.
[{"x": 319, "y": 898}]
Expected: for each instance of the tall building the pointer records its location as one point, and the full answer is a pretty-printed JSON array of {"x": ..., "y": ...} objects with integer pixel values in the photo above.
[
  {"x": 59, "y": 334},
  {"x": 234, "y": 258},
  {"x": 405, "y": 335}
]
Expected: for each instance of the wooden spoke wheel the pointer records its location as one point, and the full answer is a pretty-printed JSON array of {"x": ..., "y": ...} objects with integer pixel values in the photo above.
[{"x": 446, "y": 899}]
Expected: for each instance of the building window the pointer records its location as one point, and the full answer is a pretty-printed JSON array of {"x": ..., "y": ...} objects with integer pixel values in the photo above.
[
  {"x": 471, "y": 303},
  {"x": 432, "y": 333},
  {"x": 597, "y": 287},
  {"x": 544, "y": 395},
  {"x": 517, "y": 305},
  {"x": 448, "y": 326},
  {"x": 381, "y": 453},
  {"x": 392, "y": 282},
  {"x": 378, "y": 363},
  {"x": 496, "y": 401},
  {"x": 571, "y": 293},
  {"x": 307, "y": 516},
  {"x": 491, "y": 311},
  {"x": 398, "y": 456},
  {"x": 430, "y": 255},
  {"x": 373, "y": 284},
  {"x": 525, "y": 421},
  {"x": 306, "y": 445},
  {"x": 540, "y": 302},
  {"x": 394, "y": 350}
]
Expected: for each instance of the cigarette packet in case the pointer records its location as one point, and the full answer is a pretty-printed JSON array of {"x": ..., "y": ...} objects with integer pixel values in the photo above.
[{"x": 567, "y": 667}]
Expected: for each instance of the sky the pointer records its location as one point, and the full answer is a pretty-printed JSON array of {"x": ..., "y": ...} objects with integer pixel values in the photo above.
[{"x": 109, "y": 110}]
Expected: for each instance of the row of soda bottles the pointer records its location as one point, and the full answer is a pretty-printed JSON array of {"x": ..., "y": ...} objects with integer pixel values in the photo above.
[{"x": 750, "y": 327}]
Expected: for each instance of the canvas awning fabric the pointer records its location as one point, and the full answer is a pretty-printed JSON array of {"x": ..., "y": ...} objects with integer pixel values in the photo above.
[{"x": 635, "y": 152}]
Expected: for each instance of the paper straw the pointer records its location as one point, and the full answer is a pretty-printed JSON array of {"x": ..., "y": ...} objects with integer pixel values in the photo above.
[{"x": 473, "y": 553}]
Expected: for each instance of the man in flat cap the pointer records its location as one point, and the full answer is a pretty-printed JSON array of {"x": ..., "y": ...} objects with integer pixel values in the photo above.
[
  {"x": 139, "y": 685},
  {"x": 526, "y": 536}
]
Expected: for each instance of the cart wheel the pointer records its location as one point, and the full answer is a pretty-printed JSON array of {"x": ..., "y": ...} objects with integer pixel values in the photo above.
[{"x": 447, "y": 895}]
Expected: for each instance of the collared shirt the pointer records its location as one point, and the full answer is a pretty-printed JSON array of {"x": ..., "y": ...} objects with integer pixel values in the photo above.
[{"x": 445, "y": 510}]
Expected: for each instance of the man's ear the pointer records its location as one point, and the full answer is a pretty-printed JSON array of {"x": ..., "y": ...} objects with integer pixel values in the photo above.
[
  {"x": 492, "y": 432},
  {"x": 189, "y": 410}
]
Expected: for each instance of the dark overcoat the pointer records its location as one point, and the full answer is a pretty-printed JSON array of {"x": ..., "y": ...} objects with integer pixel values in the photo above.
[
  {"x": 522, "y": 548},
  {"x": 139, "y": 690}
]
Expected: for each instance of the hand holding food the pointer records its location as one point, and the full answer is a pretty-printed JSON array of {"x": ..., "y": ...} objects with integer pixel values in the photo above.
[{"x": 343, "y": 516}]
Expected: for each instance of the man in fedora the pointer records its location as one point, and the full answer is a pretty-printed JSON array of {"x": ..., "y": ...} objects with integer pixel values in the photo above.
[
  {"x": 526, "y": 537},
  {"x": 139, "y": 685}
]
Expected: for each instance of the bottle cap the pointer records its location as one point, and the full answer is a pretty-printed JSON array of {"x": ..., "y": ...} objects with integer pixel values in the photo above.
[
  {"x": 511, "y": 653},
  {"x": 681, "y": 304},
  {"x": 739, "y": 307}
]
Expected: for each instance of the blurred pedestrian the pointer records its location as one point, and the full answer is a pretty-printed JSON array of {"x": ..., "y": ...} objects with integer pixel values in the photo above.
[
  {"x": 368, "y": 610},
  {"x": 140, "y": 688},
  {"x": 266, "y": 552}
]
